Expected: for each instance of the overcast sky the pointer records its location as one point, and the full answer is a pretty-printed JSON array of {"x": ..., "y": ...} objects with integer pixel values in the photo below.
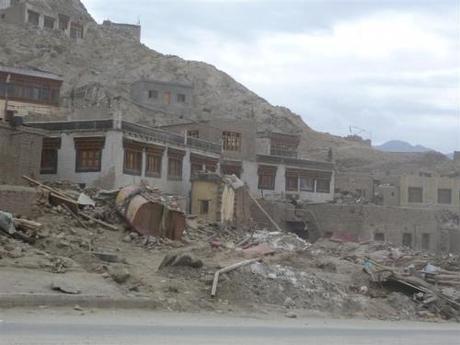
[{"x": 388, "y": 68}]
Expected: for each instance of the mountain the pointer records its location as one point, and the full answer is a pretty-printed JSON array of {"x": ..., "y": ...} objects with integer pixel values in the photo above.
[
  {"x": 99, "y": 70},
  {"x": 401, "y": 146}
]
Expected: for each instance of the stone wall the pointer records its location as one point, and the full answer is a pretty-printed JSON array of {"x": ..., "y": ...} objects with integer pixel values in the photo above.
[{"x": 20, "y": 154}]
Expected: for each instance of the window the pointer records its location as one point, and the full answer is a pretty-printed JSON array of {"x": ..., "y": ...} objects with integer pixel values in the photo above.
[
  {"x": 229, "y": 169},
  {"x": 153, "y": 94},
  {"x": 267, "y": 176},
  {"x": 425, "y": 241},
  {"x": 175, "y": 158},
  {"x": 153, "y": 161},
  {"x": 33, "y": 17},
  {"x": 415, "y": 194},
  {"x": 76, "y": 30},
  {"x": 307, "y": 184},
  {"x": 49, "y": 22},
  {"x": 132, "y": 163},
  {"x": 231, "y": 141},
  {"x": 202, "y": 163},
  {"x": 63, "y": 22},
  {"x": 180, "y": 98},
  {"x": 323, "y": 186},
  {"x": 292, "y": 182},
  {"x": 167, "y": 97},
  {"x": 407, "y": 240},
  {"x": 49, "y": 158},
  {"x": 196, "y": 168},
  {"x": 204, "y": 207},
  {"x": 379, "y": 236},
  {"x": 193, "y": 133},
  {"x": 88, "y": 154},
  {"x": 444, "y": 196}
]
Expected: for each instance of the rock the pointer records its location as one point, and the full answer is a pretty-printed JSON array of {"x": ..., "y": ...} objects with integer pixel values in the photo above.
[
  {"x": 134, "y": 235},
  {"x": 289, "y": 302},
  {"x": 291, "y": 315},
  {"x": 108, "y": 257},
  {"x": 65, "y": 288},
  {"x": 184, "y": 260},
  {"x": 119, "y": 274},
  {"x": 127, "y": 238},
  {"x": 78, "y": 308}
]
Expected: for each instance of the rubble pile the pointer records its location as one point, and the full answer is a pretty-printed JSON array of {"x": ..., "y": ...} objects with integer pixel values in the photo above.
[{"x": 221, "y": 267}]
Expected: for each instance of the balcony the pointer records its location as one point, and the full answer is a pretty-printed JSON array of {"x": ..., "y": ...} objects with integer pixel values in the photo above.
[
  {"x": 204, "y": 145},
  {"x": 283, "y": 153}
]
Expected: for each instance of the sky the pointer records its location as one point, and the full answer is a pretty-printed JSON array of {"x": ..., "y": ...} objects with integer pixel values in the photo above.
[{"x": 383, "y": 69}]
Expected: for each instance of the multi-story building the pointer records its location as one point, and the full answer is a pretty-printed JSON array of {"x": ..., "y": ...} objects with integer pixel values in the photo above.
[
  {"x": 39, "y": 14},
  {"x": 266, "y": 161},
  {"x": 29, "y": 91}
]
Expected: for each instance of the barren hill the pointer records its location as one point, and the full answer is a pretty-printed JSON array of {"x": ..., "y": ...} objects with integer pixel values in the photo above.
[{"x": 99, "y": 70}]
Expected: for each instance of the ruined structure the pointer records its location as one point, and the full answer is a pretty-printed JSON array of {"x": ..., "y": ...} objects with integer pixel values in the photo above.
[{"x": 131, "y": 30}]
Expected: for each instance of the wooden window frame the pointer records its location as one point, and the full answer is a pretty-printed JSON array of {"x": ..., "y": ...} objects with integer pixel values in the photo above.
[
  {"x": 175, "y": 164},
  {"x": 88, "y": 144},
  {"x": 202, "y": 208},
  {"x": 290, "y": 186},
  {"x": 63, "y": 19},
  {"x": 48, "y": 19},
  {"x": 304, "y": 189},
  {"x": 155, "y": 153},
  {"x": 153, "y": 94},
  {"x": 231, "y": 141},
  {"x": 167, "y": 97},
  {"x": 50, "y": 148},
  {"x": 34, "y": 14},
  {"x": 266, "y": 177}
]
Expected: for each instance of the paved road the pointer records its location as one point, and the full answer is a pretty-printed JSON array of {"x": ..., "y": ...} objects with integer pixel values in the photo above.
[{"x": 43, "y": 327}]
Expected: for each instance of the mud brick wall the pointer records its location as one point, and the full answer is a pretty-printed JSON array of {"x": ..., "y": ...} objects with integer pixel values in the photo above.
[
  {"x": 20, "y": 154},
  {"x": 18, "y": 200}
]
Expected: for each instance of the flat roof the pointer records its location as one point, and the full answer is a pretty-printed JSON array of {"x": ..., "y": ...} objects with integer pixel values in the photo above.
[{"x": 30, "y": 71}]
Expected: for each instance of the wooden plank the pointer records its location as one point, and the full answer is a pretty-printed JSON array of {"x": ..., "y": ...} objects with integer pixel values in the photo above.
[{"x": 228, "y": 269}]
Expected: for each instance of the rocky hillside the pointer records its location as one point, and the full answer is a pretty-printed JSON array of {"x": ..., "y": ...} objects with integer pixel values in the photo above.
[{"x": 99, "y": 69}]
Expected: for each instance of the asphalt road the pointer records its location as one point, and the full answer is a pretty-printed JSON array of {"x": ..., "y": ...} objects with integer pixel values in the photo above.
[{"x": 42, "y": 327}]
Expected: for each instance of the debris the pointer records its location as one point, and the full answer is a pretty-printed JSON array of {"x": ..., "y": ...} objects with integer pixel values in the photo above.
[
  {"x": 225, "y": 270},
  {"x": 84, "y": 200},
  {"x": 119, "y": 274},
  {"x": 77, "y": 308},
  {"x": 291, "y": 315},
  {"x": 109, "y": 257},
  {"x": 257, "y": 251},
  {"x": 289, "y": 303},
  {"x": 6, "y": 223},
  {"x": 64, "y": 288},
  {"x": 184, "y": 260}
]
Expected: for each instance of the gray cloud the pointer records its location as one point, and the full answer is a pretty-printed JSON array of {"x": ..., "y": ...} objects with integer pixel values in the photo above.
[{"x": 390, "y": 67}]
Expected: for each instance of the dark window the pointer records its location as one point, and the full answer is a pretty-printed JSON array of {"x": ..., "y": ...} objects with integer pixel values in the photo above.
[
  {"x": 228, "y": 169},
  {"x": 33, "y": 17},
  {"x": 132, "y": 163},
  {"x": 323, "y": 186},
  {"x": 307, "y": 184},
  {"x": 292, "y": 182},
  {"x": 63, "y": 22},
  {"x": 49, "y": 22},
  {"x": 415, "y": 194},
  {"x": 444, "y": 196},
  {"x": 407, "y": 240},
  {"x": 76, "y": 30},
  {"x": 153, "y": 165},
  {"x": 49, "y": 158},
  {"x": 88, "y": 154},
  {"x": 267, "y": 176},
  {"x": 153, "y": 94},
  {"x": 167, "y": 97},
  {"x": 425, "y": 241},
  {"x": 379, "y": 236},
  {"x": 231, "y": 141},
  {"x": 193, "y": 134},
  {"x": 196, "y": 168},
  {"x": 181, "y": 98},
  {"x": 204, "y": 207},
  {"x": 175, "y": 168}
]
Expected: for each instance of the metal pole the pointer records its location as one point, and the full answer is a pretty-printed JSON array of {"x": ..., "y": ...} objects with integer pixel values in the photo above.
[{"x": 8, "y": 77}]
